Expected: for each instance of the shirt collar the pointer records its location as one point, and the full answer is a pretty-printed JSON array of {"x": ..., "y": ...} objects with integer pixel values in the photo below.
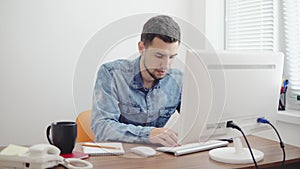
[{"x": 137, "y": 82}]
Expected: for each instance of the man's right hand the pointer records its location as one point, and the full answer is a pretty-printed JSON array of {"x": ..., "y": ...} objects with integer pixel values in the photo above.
[{"x": 164, "y": 136}]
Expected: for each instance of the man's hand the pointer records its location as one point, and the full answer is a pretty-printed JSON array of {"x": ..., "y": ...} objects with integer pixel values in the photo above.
[{"x": 164, "y": 136}]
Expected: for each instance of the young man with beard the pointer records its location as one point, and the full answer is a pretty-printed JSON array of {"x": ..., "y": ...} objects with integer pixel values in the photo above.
[{"x": 134, "y": 99}]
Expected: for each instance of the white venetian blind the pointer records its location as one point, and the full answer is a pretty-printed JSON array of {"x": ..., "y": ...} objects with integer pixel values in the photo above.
[
  {"x": 250, "y": 25},
  {"x": 291, "y": 20}
]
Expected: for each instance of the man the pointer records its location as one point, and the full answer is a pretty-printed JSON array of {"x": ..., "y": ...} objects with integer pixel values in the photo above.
[{"x": 134, "y": 99}]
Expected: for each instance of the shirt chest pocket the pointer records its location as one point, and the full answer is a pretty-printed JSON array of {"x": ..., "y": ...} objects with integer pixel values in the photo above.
[
  {"x": 129, "y": 109},
  {"x": 164, "y": 116},
  {"x": 167, "y": 112},
  {"x": 131, "y": 114},
  {"x": 134, "y": 114}
]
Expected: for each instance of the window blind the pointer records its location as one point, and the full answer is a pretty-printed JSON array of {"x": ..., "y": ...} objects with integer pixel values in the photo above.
[
  {"x": 291, "y": 21},
  {"x": 250, "y": 25}
]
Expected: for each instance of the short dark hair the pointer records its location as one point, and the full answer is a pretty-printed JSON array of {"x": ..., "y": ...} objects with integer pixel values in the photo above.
[{"x": 163, "y": 27}]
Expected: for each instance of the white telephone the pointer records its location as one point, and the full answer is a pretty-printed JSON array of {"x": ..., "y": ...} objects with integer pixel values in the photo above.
[{"x": 39, "y": 156}]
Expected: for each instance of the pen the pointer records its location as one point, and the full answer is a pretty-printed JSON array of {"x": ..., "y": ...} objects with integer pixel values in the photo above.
[{"x": 99, "y": 146}]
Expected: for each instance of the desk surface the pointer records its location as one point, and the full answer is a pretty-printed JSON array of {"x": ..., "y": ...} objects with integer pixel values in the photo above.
[{"x": 271, "y": 149}]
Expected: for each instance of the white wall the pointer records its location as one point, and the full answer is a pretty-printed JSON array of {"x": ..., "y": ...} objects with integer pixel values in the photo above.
[
  {"x": 214, "y": 25},
  {"x": 40, "y": 44}
]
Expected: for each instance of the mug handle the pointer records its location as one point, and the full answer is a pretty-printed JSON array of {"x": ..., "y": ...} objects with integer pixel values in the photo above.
[{"x": 48, "y": 134}]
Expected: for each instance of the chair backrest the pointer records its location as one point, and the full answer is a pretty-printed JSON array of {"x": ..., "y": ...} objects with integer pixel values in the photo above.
[{"x": 84, "y": 131}]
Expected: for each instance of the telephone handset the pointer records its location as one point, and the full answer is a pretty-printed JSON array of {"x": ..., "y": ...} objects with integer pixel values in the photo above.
[
  {"x": 44, "y": 155},
  {"x": 43, "y": 149},
  {"x": 40, "y": 156}
]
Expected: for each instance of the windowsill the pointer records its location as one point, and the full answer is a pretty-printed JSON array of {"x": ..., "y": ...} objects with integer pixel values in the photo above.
[{"x": 289, "y": 116}]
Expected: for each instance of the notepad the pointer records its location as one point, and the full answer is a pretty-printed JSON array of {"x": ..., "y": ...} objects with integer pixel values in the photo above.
[
  {"x": 14, "y": 150},
  {"x": 95, "y": 151}
]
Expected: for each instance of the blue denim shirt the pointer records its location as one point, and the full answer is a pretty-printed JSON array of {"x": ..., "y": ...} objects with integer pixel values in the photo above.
[{"x": 124, "y": 110}]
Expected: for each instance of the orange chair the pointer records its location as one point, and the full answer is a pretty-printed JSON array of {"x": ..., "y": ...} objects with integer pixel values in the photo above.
[{"x": 84, "y": 131}]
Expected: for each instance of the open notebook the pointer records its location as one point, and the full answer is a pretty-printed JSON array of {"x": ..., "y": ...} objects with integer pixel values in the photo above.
[{"x": 100, "y": 149}]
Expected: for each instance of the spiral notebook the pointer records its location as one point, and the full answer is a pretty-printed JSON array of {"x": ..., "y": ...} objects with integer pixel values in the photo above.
[{"x": 102, "y": 149}]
